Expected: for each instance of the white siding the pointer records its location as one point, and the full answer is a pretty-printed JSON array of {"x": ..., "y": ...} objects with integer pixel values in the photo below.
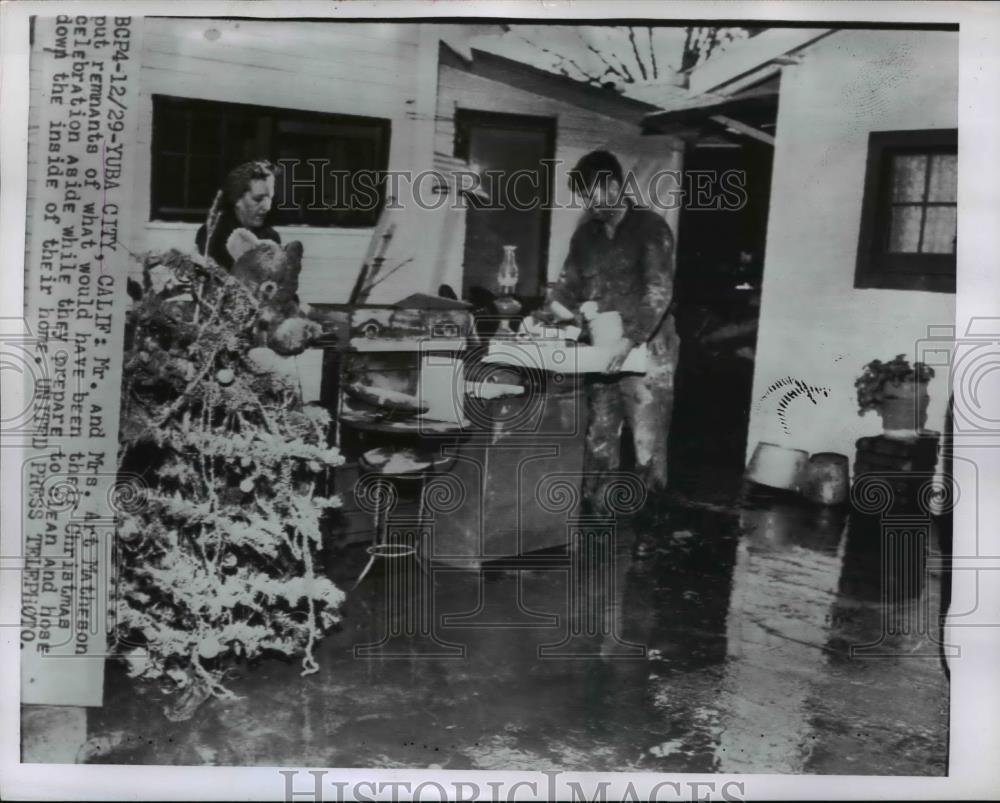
[
  {"x": 388, "y": 71},
  {"x": 815, "y": 326},
  {"x": 348, "y": 68}
]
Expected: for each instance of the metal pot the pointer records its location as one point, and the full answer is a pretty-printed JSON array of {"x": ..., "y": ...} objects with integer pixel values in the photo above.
[
  {"x": 777, "y": 466},
  {"x": 826, "y": 480}
]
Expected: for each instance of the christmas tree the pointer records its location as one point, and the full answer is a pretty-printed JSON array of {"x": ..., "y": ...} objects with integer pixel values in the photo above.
[{"x": 218, "y": 564}]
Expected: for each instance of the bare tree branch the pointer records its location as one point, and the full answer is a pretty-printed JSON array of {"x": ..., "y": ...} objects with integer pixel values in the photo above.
[
  {"x": 629, "y": 78},
  {"x": 713, "y": 41},
  {"x": 652, "y": 51},
  {"x": 689, "y": 54},
  {"x": 611, "y": 68},
  {"x": 561, "y": 59},
  {"x": 607, "y": 46},
  {"x": 635, "y": 52}
]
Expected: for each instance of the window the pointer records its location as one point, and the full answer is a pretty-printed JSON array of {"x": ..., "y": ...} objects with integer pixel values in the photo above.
[
  {"x": 196, "y": 142},
  {"x": 909, "y": 217}
]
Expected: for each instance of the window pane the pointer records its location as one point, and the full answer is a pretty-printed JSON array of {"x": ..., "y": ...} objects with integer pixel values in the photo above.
[
  {"x": 170, "y": 182},
  {"x": 944, "y": 178},
  {"x": 904, "y": 230},
  {"x": 305, "y": 182},
  {"x": 242, "y": 141},
  {"x": 197, "y": 142},
  {"x": 908, "y": 177},
  {"x": 205, "y": 139},
  {"x": 170, "y": 128},
  {"x": 203, "y": 181},
  {"x": 940, "y": 229}
]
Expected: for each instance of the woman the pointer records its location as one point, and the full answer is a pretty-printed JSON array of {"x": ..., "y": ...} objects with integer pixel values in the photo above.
[{"x": 247, "y": 194}]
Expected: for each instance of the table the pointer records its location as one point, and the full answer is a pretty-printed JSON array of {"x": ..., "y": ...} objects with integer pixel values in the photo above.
[
  {"x": 517, "y": 473},
  {"x": 518, "y": 461}
]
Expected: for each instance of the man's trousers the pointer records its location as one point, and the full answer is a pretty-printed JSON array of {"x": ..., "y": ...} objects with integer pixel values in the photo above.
[{"x": 645, "y": 402}]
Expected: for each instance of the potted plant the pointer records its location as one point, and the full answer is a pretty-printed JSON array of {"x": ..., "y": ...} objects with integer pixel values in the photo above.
[{"x": 898, "y": 391}]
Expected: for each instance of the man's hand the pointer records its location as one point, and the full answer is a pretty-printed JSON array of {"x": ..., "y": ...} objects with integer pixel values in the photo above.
[
  {"x": 545, "y": 316},
  {"x": 621, "y": 351},
  {"x": 560, "y": 312}
]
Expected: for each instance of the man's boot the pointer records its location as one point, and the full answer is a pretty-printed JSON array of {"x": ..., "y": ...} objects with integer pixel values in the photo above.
[{"x": 649, "y": 523}]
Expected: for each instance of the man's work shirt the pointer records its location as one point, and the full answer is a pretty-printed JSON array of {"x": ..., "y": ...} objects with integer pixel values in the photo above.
[{"x": 631, "y": 272}]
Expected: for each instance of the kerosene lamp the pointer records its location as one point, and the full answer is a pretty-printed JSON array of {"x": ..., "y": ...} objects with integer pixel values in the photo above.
[{"x": 506, "y": 305}]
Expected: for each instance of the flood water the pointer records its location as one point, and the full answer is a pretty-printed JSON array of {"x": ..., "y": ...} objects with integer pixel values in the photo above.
[{"x": 769, "y": 638}]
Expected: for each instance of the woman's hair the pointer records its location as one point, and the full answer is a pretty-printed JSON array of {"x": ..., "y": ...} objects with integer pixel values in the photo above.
[{"x": 238, "y": 179}]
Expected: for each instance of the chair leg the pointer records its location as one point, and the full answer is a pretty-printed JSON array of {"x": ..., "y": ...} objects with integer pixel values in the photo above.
[
  {"x": 421, "y": 541},
  {"x": 376, "y": 541},
  {"x": 364, "y": 571}
]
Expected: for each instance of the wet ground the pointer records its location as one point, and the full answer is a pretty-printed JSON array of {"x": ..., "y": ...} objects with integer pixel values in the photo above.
[{"x": 776, "y": 637}]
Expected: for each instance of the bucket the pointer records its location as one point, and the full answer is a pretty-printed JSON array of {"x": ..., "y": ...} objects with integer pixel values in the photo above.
[
  {"x": 777, "y": 466},
  {"x": 826, "y": 480}
]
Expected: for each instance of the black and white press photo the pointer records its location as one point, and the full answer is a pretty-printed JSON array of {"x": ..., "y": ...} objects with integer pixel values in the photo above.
[{"x": 425, "y": 402}]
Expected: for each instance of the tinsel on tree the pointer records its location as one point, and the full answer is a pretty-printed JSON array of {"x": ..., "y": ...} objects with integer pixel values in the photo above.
[{"x": 218, "y": 560}]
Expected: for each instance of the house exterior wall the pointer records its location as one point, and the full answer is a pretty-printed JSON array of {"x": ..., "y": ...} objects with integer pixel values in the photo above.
[
  {"x": 378, "y": 70},
  {"x": 363, "y": 69},
  {"x": 814, "y": 326},
  {"x": 578, "y": 131},
  {"x": 388, "y": 71}
]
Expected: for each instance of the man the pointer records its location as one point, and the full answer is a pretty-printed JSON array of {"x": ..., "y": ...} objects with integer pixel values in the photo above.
[
  {"x": 621, "y": 258},
  {"x": 247, "y": 194}
]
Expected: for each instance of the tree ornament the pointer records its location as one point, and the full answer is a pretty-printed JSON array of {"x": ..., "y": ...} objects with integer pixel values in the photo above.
[
  {"x": 209, "y": 648},
  {"x": 185, "y": 368},
  {"x": 208, "y": 573}
]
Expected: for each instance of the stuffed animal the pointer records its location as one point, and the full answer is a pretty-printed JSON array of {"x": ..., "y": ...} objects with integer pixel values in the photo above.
[{"x": 272, "y": 273}]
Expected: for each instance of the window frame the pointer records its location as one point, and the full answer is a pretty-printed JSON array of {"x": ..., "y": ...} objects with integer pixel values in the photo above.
[
  {"x": 876, "y": 268},
  {"x": 269, "y": 120}
]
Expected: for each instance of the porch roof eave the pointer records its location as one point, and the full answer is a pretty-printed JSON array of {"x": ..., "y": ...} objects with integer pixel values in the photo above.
[{"x": 605, "y": 102}]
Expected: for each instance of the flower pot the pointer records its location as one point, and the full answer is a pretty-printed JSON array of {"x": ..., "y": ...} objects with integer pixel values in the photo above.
[{"x": 904, "y": 409}]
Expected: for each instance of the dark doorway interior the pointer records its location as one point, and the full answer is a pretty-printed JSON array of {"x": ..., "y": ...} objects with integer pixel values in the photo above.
[
  {"x": 506, "y": 144},
  {"x": 719, "y": 267}
]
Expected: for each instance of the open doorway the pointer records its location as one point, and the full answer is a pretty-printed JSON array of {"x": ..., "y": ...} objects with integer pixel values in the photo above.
[
  {"x": 720, "y": 257},
  {"x": 503, "y": 146}
]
